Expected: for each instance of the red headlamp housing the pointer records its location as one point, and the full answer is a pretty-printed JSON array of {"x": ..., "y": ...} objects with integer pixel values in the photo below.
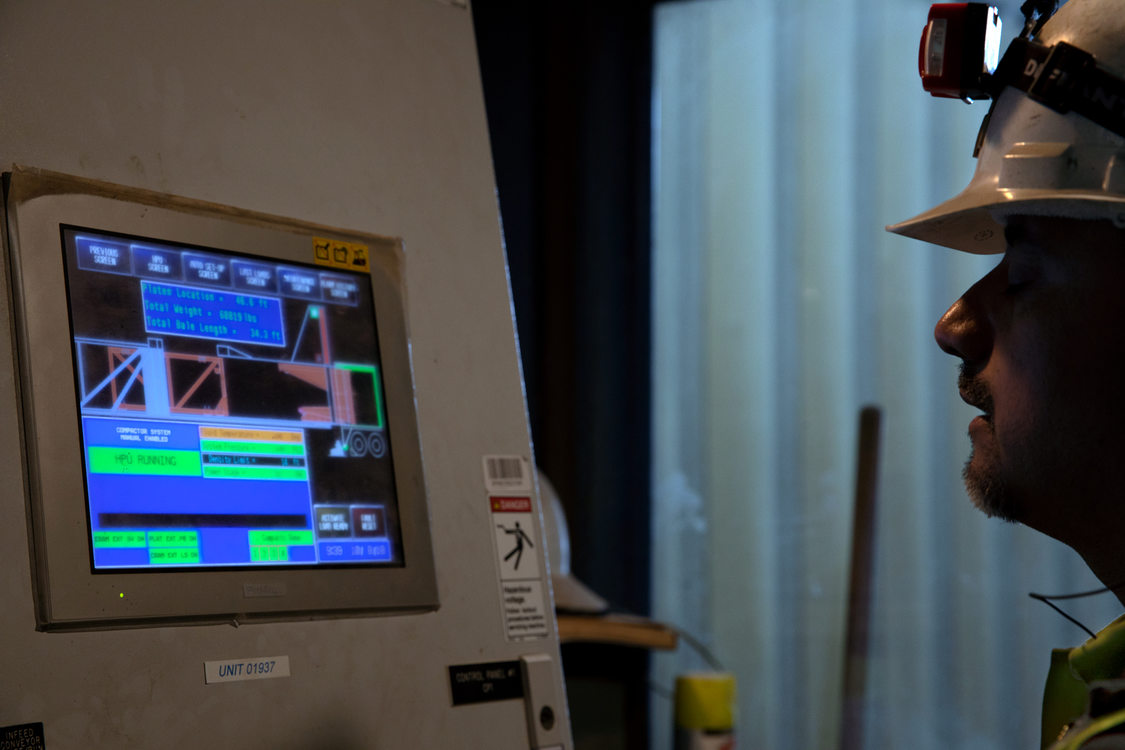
[{"x": 960, "y": 49}]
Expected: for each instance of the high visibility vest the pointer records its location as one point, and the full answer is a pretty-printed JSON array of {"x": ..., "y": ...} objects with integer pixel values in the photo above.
[{"x": 1094, "y": 669}]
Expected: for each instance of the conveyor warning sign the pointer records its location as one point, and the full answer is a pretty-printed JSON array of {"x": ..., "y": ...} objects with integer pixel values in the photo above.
[{"x": 22, "y": 737}]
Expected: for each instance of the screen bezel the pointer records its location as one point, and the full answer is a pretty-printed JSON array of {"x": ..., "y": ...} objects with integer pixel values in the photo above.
[{"x": 70, "y": 594}]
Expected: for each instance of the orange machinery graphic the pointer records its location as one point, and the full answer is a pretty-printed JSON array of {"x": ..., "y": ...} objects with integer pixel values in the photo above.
[{"x": 164, "y": 383}]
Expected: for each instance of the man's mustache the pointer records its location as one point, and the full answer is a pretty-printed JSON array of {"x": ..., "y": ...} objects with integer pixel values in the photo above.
[{"x": 973, "y": 390}]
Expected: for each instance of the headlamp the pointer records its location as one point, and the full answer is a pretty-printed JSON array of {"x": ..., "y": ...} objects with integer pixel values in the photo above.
[
  {"x": 960, "y": 49},
  {"x": 957, "y": 59}
]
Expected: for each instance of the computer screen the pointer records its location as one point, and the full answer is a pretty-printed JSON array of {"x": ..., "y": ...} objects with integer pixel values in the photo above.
[
  {"x": 231, "y": 408},
  {"x": 217, "y": 409}
]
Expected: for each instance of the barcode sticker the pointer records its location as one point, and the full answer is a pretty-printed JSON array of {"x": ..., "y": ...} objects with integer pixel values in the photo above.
[{"x": 506, "y": 474}]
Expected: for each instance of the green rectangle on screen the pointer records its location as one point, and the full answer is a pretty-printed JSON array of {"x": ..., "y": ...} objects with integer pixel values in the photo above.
[
  {"x": 119, "y": 539},
  {"x": 222, "y": 471},
  {"x": 173, "y": 539},
  {"x": 111, "y": 460},
  {"x": 373, "y": 371},
  {"x": 174, "y": 556},
  {"x": 246, "y": 446},
  {"x": 279, "y": 537}
]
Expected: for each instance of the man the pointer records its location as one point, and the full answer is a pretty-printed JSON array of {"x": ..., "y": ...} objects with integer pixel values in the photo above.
[
  {"x": 1041, "y": 337},
  {"x": 1043, "y": 358}
]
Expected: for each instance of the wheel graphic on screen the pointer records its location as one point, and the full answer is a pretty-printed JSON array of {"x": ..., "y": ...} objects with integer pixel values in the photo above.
[
  {"x": 357, "y": 445},
  {"x": 376, "y": 445}
]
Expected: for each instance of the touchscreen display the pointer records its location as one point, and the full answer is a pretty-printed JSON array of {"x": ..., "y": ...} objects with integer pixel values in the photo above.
[{"x": 231, "y": 408}]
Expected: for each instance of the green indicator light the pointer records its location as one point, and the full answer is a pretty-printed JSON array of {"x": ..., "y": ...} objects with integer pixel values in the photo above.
[
  {"x": 173, "y": 539},
  {"x": 242, "y": 446},
  {"x": 174, "y": 556},
  {"x": 279, "y": 537},
  {"x": 122, "y": 595},
  {"x": 119, "y": 539},
  {"x": 108, "y": 460},
  {"x": 220, "y": 471},
  {"x": 314, "y": 312}
]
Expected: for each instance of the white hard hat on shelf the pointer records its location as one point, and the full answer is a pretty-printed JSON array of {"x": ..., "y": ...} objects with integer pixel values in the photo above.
[
  {"x": 1035, "y": 160},
  {"x": 571, "y": 595}
]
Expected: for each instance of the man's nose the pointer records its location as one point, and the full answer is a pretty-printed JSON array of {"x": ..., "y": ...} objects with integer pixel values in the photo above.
[{"x": 965, "y": 330}]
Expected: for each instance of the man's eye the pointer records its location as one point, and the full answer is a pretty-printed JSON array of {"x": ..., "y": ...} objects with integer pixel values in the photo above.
[
  {"x": 1019, "y": 276},
  {"x": 1020, "y": 279}
]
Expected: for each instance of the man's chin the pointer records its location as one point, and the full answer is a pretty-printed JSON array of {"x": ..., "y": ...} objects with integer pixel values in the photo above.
[{"x": 987, "y": 489}]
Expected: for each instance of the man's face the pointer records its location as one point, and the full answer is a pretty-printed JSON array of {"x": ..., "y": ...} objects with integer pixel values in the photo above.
[{"x": 1042, "y": 339}]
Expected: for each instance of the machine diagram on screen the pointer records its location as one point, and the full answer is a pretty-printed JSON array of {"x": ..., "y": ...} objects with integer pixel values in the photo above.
[
  {"x": 244, "y": 392},
  {"x": 160, "y": 379}
]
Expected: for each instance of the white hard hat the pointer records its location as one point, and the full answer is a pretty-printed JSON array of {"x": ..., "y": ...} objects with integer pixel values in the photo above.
[
  {"x": 1034, "y": 160},
  {"x": 571, "y": 595}
]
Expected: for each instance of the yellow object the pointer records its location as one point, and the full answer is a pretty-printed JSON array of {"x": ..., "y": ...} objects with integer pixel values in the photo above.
[
  {"x": 1067, "y": 722},
  {"x": 705, "y": 700},
  {"x": 336, "y": 254}
]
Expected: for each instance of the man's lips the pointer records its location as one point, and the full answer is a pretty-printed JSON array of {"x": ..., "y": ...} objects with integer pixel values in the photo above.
[{"x": 980, "y": 424}]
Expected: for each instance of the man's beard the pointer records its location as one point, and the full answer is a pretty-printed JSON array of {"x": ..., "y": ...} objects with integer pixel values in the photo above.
[
  {"x": 986, "y": 487},
  {"x": 983, "y": 479}
]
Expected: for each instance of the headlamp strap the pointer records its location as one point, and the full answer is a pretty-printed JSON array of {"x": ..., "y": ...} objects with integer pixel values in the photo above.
[{"x": 1065, "y": 79}]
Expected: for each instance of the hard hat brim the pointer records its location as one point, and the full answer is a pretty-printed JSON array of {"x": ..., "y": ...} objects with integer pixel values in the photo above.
[{"x": 973, "y": 221}]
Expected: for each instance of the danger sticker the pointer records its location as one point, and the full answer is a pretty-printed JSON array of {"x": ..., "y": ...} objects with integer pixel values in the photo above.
[{"x": 515, "y": 533}]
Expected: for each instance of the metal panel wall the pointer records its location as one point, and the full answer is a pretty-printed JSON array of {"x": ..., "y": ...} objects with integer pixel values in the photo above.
[{"x": 366, "y": 115}]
